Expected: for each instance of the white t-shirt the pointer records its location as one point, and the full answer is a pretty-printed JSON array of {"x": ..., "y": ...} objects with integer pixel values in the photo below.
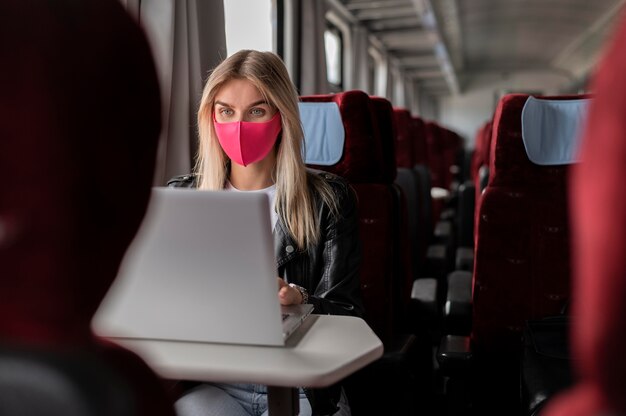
[{"x": 271, "y": 193}]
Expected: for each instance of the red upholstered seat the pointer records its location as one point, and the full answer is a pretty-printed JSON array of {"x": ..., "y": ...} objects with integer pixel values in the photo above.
[
  {"x": 403, "y": 139},
  {"x": 522, "y": 259},
  {"x": 394, "y": 135},
  {"x": 481, "y": 142},
  {"x": 452, "y": 146},
  {"x": 436, "y": 165},
  {"x": 434, "y": 145},
  {"x": 418, "y": 133},
  {"x": 420, "y": 158},
  {"x": 480, "y": 162},
  {"x": 406, "y": 178},
  {"x": 80, "y": 124},
  {"x": 369, "y": 166},
  {"x": 362, "y": 160},
  {"x": 598, "y": 205}
]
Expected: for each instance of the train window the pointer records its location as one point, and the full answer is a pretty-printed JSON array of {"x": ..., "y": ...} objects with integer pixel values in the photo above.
[
  {"x": 248, "y": 25},
  {"x": 333, "y": 41},
  {"x": 379, "y": 72},
  {"x": 371, "y": 74}
]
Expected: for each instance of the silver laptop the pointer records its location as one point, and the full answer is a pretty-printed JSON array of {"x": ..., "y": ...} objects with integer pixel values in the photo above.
[{"x": 201, "y": 268}]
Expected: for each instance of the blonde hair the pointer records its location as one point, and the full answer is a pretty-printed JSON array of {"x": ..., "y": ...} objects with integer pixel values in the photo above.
[{"x": 294, "y": 201}]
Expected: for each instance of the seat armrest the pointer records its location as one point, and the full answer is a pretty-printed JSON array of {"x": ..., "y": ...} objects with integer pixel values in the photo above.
[
  {"x": 455, "y": 355},
  {"x": 447, "y": 215},
  {"x": 465, "y": 214},
  {"x": 443, "y": 231},
  {"x": 458, "y": 307},
  {"x": 465, "y": 259},
  {"x": 437, "y": 262},
  {"x": 424, "y": 298}
]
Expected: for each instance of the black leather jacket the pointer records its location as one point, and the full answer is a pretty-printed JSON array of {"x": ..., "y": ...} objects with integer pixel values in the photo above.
[{"x": 328, "y": 270}]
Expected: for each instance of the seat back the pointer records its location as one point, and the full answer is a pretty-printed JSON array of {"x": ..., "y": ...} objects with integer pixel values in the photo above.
[
  {"x": 420, "y": 151},
  {"x": 83, "y": 177},
  {"x": 364, "y": 166},
  {"x": 418, "y": 135},
  {"x": 405, "y": 191},
  {"x": 481, "y": 166},
  {"x": 452, "y": 154},
  {"x": 521, "y": 265},
  {"x": 598, "y": 205},
  {"x": 407, "y": 179},
  {"x": 403, "y": 141},
  {"x": 435, "y": 147},
  {"x": 480, "y": 155}
]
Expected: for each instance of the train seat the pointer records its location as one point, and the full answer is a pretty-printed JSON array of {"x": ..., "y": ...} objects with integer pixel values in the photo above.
[
  {"x": 598, "y": 206},
  {"x": 481, "y": 164},
  {"x": 442, "y": 158},
  {"x": 452, "y": 155},
  {"x": 435, "y": 153},
  {"x": 411, "y": 349},
  {"x": 468, "y": 197},
  {"x": 420, "y": 159},
  {"x": 468, "y": 203},
  {"x": 386, "y": 272},
  {"x": 382, "y": 271},
  {"x": 360, "y": 162},
  {"x": 522, "y": 258},
  {"x": 521, "y": 267},
  {"x": 81, "y": 181},
  {"x": 423, "y": 289},
  {"x": 404, "y": 189},
  {"x": 406, "y": 178}
]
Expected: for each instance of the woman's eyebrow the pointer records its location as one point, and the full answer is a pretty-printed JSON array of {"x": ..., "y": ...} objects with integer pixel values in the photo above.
[
  {"x": 223, "y": 104},
  {"x": 259, "y": 103}
]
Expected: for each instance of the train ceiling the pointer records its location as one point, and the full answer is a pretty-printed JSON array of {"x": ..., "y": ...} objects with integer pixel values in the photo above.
[{"x": 444, "y": 44}]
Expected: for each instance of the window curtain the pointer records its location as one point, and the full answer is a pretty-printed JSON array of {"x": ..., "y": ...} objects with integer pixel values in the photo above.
[
  {"x": 359, "y": 57},
  {"x": 187, "y": 38},
  {"x": 312, "y": 69}
]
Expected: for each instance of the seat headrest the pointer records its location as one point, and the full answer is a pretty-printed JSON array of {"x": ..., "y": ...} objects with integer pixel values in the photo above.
[
  {"x": 509, "y": 164},
  {"x": 361, "y": 160},
  {"x": 324, "y": 135},
  {"x": 551, "y": 129}
]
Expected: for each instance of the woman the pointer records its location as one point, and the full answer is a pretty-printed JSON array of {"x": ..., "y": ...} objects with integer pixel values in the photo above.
[{"x": 251, "y": 140}]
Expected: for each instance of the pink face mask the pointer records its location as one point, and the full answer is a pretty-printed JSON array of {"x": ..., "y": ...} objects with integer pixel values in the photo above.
[{"x": 245, "y": 142}]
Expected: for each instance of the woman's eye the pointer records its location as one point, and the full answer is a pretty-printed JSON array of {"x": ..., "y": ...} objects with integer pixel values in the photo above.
[
  {"x": 226, "y": 112},
  {"x": 257, "y": 112}
]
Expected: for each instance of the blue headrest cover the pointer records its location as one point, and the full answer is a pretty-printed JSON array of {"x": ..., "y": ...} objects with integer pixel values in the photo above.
[
  {"x": 324, "y": 135},
  {"x": 552, "y": 130}
]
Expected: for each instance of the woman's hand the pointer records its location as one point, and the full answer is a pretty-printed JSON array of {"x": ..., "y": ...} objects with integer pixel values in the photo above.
[{"x": 288, "y": 295}]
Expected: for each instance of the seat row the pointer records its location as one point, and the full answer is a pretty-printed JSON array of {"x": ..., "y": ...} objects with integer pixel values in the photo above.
[
  {"x": 521, "y": 255},
  {"x": 383, "y": 153}
]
